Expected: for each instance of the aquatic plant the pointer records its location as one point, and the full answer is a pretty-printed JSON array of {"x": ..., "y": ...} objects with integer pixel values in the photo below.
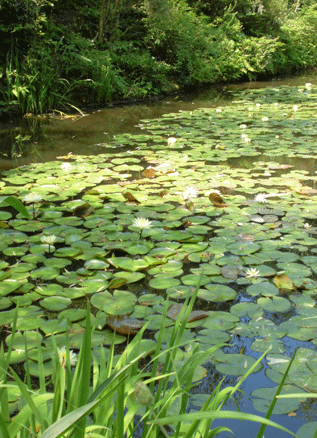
[
  {"x": 98, "y": 254},
  {"x": 124, "y": 398}
]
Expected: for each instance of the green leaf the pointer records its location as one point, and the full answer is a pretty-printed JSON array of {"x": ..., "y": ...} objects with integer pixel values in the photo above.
[{"x": 16, "y": 204}]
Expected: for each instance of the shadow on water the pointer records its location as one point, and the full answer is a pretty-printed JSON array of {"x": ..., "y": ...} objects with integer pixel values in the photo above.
[{"x": 43, "y": 138}]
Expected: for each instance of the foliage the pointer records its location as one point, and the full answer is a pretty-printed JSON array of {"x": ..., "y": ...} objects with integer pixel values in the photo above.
[
  {"x": 53, "y": 57},
  {"x": 119, "y": 395},
  {"x": 15, "y": 203}
]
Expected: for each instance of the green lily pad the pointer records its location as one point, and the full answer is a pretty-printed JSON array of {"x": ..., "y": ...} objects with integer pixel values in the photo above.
[
  {"x": 264, "y": 288},
  {"x": 163, "y": 282},
  {"x": 234, "y": 364},
  {"x": 45, "y": 273},
  {"x": 220, "y": 321},
  {"x": 274, "y": 304},
  {"x": 307, "y": 430},
  {"x": 245, "y": 308},
  {"x": 96, "y": 264},
  {"x": 55, "y": 303},
  {"x": 213, "y": 337},
  {"x": 243, "y": 248},
  {"x": 217, "y": 293},
  {"x": 282, "y": 406},
  {"x": 118, "y": 303}
]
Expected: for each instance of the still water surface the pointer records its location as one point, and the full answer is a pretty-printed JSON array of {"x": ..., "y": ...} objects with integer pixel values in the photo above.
[{"x": 43, "y": 139}]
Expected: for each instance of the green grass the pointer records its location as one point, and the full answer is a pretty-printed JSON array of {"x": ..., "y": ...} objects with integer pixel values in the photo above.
[{"x": 103, "y": 399}]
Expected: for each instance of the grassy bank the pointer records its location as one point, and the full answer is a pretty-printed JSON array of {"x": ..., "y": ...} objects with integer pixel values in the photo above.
[{"x": 58, "y": 55}]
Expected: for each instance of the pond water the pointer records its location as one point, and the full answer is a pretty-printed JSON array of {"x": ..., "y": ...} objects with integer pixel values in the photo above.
[{"x": 145, "y": 201}]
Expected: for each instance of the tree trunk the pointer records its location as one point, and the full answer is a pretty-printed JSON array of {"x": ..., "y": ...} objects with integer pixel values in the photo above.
[{"x": 109, "y": 19}]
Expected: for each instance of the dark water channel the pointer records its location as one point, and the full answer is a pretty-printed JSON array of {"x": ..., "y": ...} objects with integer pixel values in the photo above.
[{"x": 42, "y": 139}]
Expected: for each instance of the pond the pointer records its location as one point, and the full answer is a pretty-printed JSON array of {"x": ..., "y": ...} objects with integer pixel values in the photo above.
[{"x": 219, "y": 193}]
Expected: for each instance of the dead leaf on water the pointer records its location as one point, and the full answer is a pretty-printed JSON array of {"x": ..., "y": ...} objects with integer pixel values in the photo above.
[
  {"x": 130, "y": 198},
  {"x": 217, "y": 200},
  {"x": 148, "y": 173},
  {"x": 195, "y": 315},
  {"x": 123, "y": 325}
]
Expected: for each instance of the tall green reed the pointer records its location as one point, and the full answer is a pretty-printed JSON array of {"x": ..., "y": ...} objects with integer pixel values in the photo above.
[{"x": 101, "y": 398}]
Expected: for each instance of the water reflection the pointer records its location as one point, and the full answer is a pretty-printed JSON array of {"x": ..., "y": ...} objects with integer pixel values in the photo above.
[{"x": 41, "y": 139}]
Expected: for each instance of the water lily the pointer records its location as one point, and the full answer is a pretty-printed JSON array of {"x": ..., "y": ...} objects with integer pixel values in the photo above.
[
  {"x": 295, "y": 108},
  {"x": 32, "y": 198},
  {"x": 171, "y": 140},
  {"x": 142, "y": 223},
  {"x": 189, "y": 193},
  {"x": 308, "y": 86},
  {"x": 306, "y": 225},
  {"x": 265, "y": 119},
  {"x": 49, "y": 240},
  {"x": 66, "y": 166},
  {"x": 260, "y": 197},
  {"x": 62, "y": 356},
  {"x": 243, "y": 126},
  {"x": 218, "y": 110},
  {"x": 252, "y": 273}
]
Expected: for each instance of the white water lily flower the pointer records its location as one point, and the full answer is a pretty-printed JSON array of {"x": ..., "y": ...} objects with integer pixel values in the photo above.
[
  {"x": 252, "y": 273},
  {"x": 308, "y": 86},
  {"x": 66, "y": 166},
  {"x": 247, "y": 140},
  {"x": 275, "y": 104},
  {"x": 218, "y": 110},
  {"x": 62, "y": 356},
  {"x": 295, "y": 108},
  {"x": 265, "y": 119},
  {"x": 49, "y": 240},
  {"x": 142, "y": 223},
  {"x": 306, "y": 225},
  {"x": 243, "y": 126},
  {"x": 258, "y": 105},
  {"x": 171, "y": 140},
  {"x": 260, "y": 197},
  {"x": 189, "y": 193},
  {"x": 31, "y": 198}
]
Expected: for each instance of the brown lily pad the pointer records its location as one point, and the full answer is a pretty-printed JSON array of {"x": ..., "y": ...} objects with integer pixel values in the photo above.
[
  {"x": 195, "y": 315},
  {"x": 217, "y": 200},
  {"x": 283, "y": 282},
  {"x": 130, "y": 198},
  {"x": 83, "y": 210},
  {"x": 123, "y": 325},
  {"x": 148, "y": 173}
]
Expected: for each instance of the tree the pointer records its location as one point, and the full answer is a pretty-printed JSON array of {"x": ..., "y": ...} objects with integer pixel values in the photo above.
[{"x": 109, "y": 19}]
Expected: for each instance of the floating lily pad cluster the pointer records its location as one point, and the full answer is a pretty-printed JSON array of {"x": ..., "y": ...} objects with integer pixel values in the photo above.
[{"x": 220, "y": 197}]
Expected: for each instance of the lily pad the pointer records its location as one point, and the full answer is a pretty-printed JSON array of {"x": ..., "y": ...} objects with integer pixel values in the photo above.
[
  {"x": 118, "y": 303},
  {"x": 282, "y": 406},
  {"x": 274, "y": 304},
  {"x": 234, "y": 364},
  {"x": 217, "y": 293}
]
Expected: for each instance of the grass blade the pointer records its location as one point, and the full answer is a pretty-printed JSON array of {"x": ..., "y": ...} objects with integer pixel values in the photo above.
[{"x": 279, "y": 389}]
